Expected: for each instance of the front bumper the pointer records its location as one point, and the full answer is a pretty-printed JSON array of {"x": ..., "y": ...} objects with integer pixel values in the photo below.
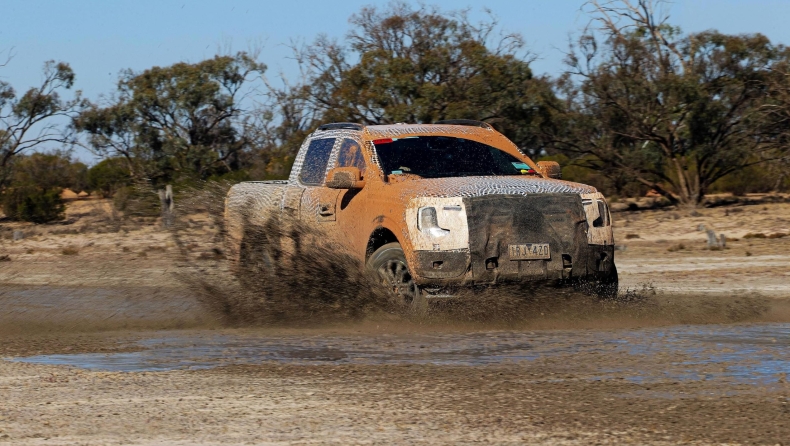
[{"x": 496, "y": 221}]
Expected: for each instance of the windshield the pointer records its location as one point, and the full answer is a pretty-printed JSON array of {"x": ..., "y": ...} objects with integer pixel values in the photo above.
[{"x": 442, "y": 156}]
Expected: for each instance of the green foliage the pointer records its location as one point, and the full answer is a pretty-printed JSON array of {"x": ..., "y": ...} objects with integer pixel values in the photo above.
[
  {"x": 33, "y": 204},
  {"x": 674, "y": 111},
  {"x": 178, "y": 121},
  {"x": 33, "y": 191},
  {"x": 589, "y": 170},
  {"x": 109, "y": 175},
  {"x": 23, "y": 119},
  {"x": 642, "y": 105},
  {"x": 422, "y": 65},
  {"x": 751, "y": 179},
  {"x": 232, "y": 177},
  {"x": 138, "y": 200},
  {"x": 49, "y": 171}
]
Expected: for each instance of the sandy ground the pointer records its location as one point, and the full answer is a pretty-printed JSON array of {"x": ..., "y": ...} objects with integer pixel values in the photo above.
[{"x": 98, "y": 285}]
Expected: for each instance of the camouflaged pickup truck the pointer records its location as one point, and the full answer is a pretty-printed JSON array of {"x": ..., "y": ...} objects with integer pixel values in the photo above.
[{"x": 436, "y": 207}]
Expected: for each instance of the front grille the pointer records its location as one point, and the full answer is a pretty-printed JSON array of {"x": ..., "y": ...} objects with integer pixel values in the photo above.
[{"x": 496, "y": 221}]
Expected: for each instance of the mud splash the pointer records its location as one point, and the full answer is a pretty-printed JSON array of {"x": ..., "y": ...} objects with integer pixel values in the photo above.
[{"x": 286, "y": 272}]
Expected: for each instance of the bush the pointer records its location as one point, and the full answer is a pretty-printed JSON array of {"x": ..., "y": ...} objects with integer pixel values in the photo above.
[
  {"x": 33, "y": 204},
  {"x": 109, "y": 176},
  {"x": 608, "y": 181},
  {"x": 751, "y": 179},
  {"x": 138, "y": 201},
  {"x": 48, "y": 171}
]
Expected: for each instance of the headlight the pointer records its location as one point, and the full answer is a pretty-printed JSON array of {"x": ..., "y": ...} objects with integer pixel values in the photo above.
[
  {"x": 428, "y": 222},
  {"x": 437, "y": 224}
]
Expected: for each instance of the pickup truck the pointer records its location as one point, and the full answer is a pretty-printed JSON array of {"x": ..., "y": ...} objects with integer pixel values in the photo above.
[{"x": 436, "y": 207}]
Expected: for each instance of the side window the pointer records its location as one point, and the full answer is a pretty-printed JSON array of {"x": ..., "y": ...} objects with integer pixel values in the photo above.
[
  {"x": 315, "y": 161},
  {"x": 350, "y": 155}
]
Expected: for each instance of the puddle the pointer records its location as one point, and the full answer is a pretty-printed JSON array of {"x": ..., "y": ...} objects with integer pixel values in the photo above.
[{"x": 742, "y": 353}]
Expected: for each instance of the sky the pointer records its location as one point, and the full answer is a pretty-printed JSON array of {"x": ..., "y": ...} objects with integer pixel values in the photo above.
[{"x": 98, "y": 38}]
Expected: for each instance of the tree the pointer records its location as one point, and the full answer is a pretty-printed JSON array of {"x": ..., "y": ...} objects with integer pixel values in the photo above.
[
  {"x": 185, "y": 120},
  {"x": 33, "y": 204},
  {"x": 108, "y": 176},
  {"x": 277, "y": 128},
  {"x": 674, "y": 111},
  {"x": 53, "y": 170},
  {"x": 420, "y": 65},
  {"x": 32, "y": 192},
  {"x": 26, "y": 121}
]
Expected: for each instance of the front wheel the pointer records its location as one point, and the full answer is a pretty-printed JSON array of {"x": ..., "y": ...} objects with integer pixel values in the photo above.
[{"x": 389, "y": 262}]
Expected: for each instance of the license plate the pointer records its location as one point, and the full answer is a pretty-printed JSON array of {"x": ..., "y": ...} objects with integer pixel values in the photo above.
[{"x": 529, "y": 251}]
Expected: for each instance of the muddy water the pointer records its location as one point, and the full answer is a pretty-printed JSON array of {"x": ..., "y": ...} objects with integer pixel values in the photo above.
[
  {"x": 758, "y": 354},
  {"x": 25, "y": 309}
]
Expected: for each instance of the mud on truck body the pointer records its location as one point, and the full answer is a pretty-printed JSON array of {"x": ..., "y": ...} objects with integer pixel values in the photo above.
[{"x": 436, "y": 207}]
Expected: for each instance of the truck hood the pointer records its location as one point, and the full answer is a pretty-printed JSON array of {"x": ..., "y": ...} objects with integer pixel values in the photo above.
[{"x": 479, "y": 186}]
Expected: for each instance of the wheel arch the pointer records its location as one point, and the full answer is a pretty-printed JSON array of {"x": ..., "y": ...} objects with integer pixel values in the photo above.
[{"x": 378, "y": 238}]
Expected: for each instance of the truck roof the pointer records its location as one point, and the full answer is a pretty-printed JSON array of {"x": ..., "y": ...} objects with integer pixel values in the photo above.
[
  {"x": 452, "y": 126},
  {"x": 459, "y": 128},
  {"x": 388, "y": 131}
]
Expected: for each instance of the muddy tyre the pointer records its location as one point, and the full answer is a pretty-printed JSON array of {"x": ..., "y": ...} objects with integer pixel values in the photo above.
[{"x": 389, "y": 262}]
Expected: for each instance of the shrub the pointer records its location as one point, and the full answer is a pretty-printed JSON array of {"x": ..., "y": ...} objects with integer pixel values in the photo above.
[
  {"x": 49, "y": 171},
  {"x": 108, "y": 176},
  {"x": 138, "y": 201},
  {"x": 33, "y": 204},
  {"x": 750, "y": 179}
]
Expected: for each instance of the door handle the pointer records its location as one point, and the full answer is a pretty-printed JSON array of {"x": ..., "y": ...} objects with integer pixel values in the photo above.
[{"x": 324, "y": 210}]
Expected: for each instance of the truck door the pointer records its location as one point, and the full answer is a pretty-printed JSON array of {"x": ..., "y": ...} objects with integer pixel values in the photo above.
[
  {"x": 319, "y": 203},
  {"x": 352, "y": 209}
]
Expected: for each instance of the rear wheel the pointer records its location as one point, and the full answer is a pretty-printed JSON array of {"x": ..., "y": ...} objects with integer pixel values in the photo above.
[{"x": 389, "y": 262}]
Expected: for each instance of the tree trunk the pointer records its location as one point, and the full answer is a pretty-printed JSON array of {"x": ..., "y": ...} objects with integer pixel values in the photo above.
[{"x": 166, "y": 198}]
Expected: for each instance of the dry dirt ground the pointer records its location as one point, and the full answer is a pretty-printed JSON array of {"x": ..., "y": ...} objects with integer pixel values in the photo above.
[{"x": 102, "y": 342}]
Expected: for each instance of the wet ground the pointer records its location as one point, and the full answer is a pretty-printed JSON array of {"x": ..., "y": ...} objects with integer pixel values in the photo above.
[
  {"x": 147, "y": 365},
  {"x": 109, "y": 347},
  {"x": 746, "y": 354},
  {"x": 407, "y": 384}
]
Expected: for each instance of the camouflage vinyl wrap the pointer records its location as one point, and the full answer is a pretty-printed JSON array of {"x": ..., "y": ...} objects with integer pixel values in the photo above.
[{"x": 500, "y": 210}]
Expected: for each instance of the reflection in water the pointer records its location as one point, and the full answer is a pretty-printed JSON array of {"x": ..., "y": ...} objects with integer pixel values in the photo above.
[{"x": 743, "y": 353}]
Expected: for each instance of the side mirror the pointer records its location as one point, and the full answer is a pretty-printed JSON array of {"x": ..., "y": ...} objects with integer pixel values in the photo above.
[
  {"x": 550, "y": 169},
  {"x": 345, "y": 178}
]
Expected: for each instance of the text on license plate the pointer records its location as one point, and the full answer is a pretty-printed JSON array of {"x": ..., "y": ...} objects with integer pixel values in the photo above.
[{"x": 529, "y": 251}]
